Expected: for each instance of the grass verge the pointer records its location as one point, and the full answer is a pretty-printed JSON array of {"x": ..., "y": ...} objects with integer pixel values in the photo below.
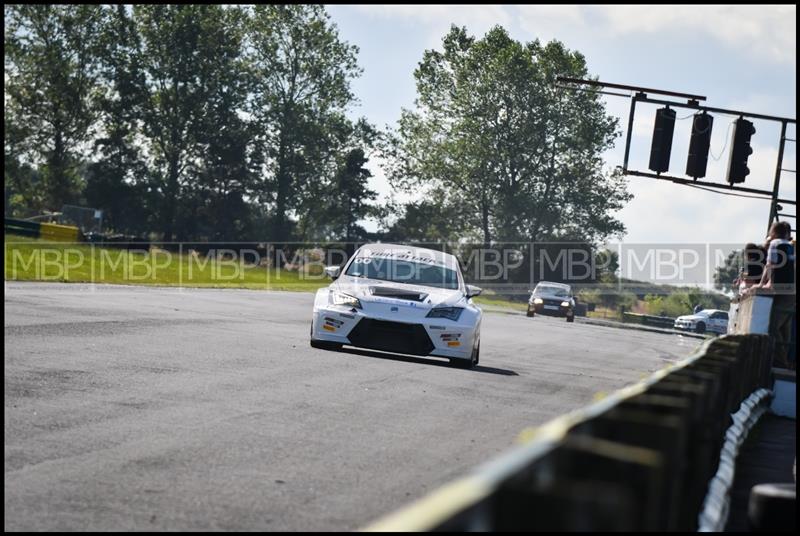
[{"x": 28, "y": 259}]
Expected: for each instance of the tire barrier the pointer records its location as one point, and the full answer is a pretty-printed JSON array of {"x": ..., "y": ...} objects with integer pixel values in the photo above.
[
  {"x": 649, "y": 320},
  {"x": 46, "y": 231},
  {"x": 717, "y": 504},
  {"x": 639, "y": 459}
]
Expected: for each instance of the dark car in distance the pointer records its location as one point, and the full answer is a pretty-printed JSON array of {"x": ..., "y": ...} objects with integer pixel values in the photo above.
[{"x": 554, "y": 299}]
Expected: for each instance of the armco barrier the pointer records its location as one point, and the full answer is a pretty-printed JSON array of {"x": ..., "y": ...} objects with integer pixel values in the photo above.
[
  {"x": 47, "y": 231},
  {"x": 22, "y": 227},
  {"x": 640, "y": 459},
  {"x": 649, "y": 320}
]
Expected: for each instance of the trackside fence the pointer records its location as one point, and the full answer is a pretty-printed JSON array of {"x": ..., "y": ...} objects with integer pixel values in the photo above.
[{"x": 639, "y": 459}]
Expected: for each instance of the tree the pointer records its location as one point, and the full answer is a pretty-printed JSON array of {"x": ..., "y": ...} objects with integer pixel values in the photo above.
[
  {"x": 725, "y": 275},
  {"x": 607, "y": 262},
  {"x": 51, "y": 88},
  {"x": 302, "y": 71},
  {"x": 179, "y": 44},
  {"x": 680, "y": 302},
  {"x": 23, "y": 183},
  {"x": 225, "y": 156},
  {"x": 352, "y": 193},
  {"x": 491, "y": 133},
  {"x": 330, "y": 207},
  {"x": 118, "y": 181},
  {"x": 427, "y": 220}
]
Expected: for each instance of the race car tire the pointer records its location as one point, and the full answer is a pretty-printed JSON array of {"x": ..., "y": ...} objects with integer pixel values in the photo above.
[
  {"x": 530, "y": 312},
  {"x": 700, "y": 327},
  {"x": 571, "y": 318},
  {"x": 468, "y": 364}
]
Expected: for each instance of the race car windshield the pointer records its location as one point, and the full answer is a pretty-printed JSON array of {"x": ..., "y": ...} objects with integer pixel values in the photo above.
[
  {"x": 399, "y": 271},
  {"x": 561, "y": 292}
]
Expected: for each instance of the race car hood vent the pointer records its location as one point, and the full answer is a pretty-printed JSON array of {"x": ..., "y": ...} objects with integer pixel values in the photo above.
[{"x": 398, "y": 293}]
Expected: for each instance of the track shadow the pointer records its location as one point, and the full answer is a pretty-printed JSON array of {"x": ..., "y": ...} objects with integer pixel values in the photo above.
[{"x": 432, "y": 361}]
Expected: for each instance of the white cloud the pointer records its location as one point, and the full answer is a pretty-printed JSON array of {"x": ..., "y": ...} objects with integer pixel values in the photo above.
[
  {"x": 548, "y": 22},
  {"x": 763, "y": 32},
  {"x": 434, "y": 14},
  {"x": 477, "y": 18},
  {"x": 769, "y": 32}
]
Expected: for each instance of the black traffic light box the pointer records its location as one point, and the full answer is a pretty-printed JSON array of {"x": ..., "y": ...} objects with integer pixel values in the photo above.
[
  {"x": 743, "y": 130},
  {"x": 699, "y": 145},
  {"x": 662, "y": 140}
]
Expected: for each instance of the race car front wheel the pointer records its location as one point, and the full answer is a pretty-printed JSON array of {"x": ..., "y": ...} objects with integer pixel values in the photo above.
[
  {"x": 472, "y": 362},
  {"x": 530, "y": 312}
]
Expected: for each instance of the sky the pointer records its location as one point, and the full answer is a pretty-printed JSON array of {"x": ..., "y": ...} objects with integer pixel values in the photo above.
[{"x": 741, "y": 57}]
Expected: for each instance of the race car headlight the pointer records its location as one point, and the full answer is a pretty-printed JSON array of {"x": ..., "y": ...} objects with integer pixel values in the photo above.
[
  {"x": 564, "y": 303},
  {"x": 337, "y": 298},
  {"x": 451, "y": 313},
  {"x": 538, "y": 301}
]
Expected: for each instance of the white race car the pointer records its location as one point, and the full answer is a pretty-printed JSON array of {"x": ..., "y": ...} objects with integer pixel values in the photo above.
[
  {"x": 713, "y": 320},
  {"x": 399, "y": 299}
]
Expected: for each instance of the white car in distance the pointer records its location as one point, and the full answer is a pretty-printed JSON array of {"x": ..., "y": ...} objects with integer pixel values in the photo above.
[
  {"x": 401, "y": 299},
  {"x": 712, "y": 320}
]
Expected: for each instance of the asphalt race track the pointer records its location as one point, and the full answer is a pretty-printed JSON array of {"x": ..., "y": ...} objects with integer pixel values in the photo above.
[{"x": 132, "y": 408}]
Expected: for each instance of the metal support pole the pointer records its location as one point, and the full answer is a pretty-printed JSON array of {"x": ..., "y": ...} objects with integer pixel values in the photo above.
[
  {"x": 773, "y": 208},
  {"x": 630, "y": 133}
]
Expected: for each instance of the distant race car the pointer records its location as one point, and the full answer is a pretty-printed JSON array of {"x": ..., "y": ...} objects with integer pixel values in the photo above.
[
  {"x": 713, "y": 320},
  {"x": 399, "y": 299},
  {"x": 553, "y": 299}
]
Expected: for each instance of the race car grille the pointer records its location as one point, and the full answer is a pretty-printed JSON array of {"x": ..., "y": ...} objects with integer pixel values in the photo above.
[
  {"x": 548, "y": 301},
  {"x": 388, "y": 292},
  {"x": 391, "y": 337}
]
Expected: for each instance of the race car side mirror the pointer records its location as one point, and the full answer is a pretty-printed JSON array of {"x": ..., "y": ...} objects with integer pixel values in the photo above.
[
  {"x": 333, "y": 271},
  {"x": 473, "y": 291}
]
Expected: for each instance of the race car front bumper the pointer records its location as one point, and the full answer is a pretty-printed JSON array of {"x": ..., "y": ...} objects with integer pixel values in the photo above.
[
  {"x": 551, "y": 310},
  {"x": 421, "y": 336},
  {"x": 685, "y": 325}
]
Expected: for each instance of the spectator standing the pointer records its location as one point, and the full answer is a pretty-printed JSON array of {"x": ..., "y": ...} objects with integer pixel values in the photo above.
[
  {"x": 779, "y": 280},
  {"x": 754, "y": 259}
]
